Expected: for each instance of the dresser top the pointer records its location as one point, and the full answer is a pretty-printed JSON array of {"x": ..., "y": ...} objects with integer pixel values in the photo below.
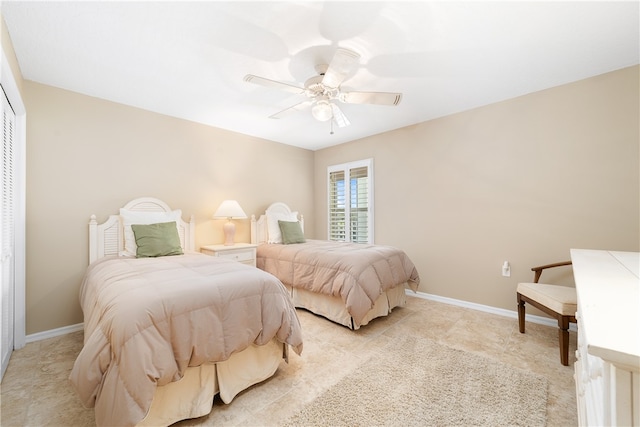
[{"x": 608, "y": 288}]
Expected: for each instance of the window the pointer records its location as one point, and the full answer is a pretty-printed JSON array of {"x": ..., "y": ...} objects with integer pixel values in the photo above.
[{"x": 351, "y": 202}]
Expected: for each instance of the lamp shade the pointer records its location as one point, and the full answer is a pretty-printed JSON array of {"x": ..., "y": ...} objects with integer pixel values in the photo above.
[{"x": 229, "y": 209}]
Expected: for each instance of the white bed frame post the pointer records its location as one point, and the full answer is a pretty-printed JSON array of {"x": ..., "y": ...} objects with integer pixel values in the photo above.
[
  {"x": 254, "y": 231},
  {"x": 93, "y": 239},
  {"x": 190, "y": 244}
]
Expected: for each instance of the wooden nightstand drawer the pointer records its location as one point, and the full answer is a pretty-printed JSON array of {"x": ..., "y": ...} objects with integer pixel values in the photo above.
[{"x": 240, "y": 252}]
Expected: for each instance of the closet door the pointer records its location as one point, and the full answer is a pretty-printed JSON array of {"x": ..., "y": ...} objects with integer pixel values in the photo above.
[{"x": 7, "y": 242}]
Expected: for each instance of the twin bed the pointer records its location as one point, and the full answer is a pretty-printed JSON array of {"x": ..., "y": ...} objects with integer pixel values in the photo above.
[
  {"x": 164, "y": 334},
  {"x": 348, "y": 283},
  {"x": 166, "y": 330}
]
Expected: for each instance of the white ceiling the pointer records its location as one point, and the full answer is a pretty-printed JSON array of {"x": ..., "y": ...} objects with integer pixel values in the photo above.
[{"x": 188, "y": 59}]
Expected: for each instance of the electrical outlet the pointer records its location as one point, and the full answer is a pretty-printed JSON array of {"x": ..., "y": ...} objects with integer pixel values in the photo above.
[{"x": 506, "y": 269}]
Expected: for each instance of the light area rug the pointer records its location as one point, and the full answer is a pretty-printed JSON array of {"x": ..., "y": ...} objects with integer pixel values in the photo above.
[{"x": 417, "y": 382}]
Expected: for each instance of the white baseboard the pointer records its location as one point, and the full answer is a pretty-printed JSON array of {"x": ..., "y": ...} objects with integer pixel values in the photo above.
[
  {"x": 460, "y": 303},
  {"x": 488, "y": 309},
  {"x": 51, "y": 333}
]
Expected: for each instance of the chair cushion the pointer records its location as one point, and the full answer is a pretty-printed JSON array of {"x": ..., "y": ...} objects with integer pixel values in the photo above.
[{"x": 561, "y": 299}]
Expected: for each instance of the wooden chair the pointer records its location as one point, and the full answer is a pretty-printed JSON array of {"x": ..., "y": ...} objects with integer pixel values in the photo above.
[{"x": 560, "y": 302}]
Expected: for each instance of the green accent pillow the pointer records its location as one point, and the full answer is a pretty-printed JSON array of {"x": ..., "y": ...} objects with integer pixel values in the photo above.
[
  {"x": 154, "y": 240},
  {"x": 291, "y": 232}
]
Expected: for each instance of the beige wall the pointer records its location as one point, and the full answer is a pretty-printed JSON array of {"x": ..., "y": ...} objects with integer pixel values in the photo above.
[
  {"x": 523, "y": 180},
  {"x": 89, "y": 156}
]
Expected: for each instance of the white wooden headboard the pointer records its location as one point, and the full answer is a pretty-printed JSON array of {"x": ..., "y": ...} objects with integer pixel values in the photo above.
[
  {"x": 259, "y": 229},
  {"x": 108, "y": 238}
]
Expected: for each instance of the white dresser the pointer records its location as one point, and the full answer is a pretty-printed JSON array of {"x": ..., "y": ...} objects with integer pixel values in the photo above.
[{"x": 607, "y": 370}]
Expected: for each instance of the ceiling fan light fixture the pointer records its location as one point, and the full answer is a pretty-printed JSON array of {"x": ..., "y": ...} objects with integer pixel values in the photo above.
[
  {"x": 324, "y": 89},
  {"x": 322, "y": 111}
]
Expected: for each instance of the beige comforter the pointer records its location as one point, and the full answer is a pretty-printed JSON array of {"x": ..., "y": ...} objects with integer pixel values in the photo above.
[
  {"x": 146, "y": 320},
  {"x": 357, "y": 273}
]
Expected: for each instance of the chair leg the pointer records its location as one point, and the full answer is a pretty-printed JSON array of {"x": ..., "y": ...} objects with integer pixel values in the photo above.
[
  {"x": 563, "y": 335},
  {"x": 521, "y": 314}
]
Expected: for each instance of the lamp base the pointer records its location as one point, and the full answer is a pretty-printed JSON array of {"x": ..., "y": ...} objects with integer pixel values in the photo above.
[{"x": 229, "y": 229}]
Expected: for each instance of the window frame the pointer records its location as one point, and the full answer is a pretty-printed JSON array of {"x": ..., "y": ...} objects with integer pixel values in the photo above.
[{"x": 346, "y": 169}]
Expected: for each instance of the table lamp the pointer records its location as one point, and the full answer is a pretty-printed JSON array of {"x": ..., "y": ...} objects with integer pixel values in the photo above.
[{"x": 229, "y": 209}]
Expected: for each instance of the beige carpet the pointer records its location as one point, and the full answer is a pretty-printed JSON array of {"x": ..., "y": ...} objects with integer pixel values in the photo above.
[{"x": 418, "y": 382}]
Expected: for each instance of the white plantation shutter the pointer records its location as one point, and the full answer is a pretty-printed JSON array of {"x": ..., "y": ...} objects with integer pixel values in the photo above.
[
  {"x": 7, "y": 218},
  {"x": 359, "y": 224},
  {"x": 337, "y": 213},
  {"x": 351, "y": 202}
]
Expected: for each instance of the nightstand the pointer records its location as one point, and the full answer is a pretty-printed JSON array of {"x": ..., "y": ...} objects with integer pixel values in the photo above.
[{"x": 241, "y": 252}]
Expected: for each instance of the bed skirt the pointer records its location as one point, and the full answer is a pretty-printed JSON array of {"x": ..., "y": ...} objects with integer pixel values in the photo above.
[
  {"x": 333, "y": 308},
  {"x": 192, "y": 396}
]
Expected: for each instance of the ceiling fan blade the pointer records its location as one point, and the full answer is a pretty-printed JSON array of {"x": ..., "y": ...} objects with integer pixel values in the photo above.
[
  {"x": 273, "y": 83},
  {"x": 290, "y": 110},
  {"x": 380, "y": 98},
  {"x": 339, "y": 117},
  {"x": 341, "y": 65}
]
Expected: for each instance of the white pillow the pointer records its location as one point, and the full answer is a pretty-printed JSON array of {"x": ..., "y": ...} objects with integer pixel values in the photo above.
[
  {"x": 128, "y": 217},
  {"x": 274, "y": 235}
]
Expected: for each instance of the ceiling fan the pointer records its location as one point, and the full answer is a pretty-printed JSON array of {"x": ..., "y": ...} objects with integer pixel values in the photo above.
[{"x": 324, "y": 89}]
